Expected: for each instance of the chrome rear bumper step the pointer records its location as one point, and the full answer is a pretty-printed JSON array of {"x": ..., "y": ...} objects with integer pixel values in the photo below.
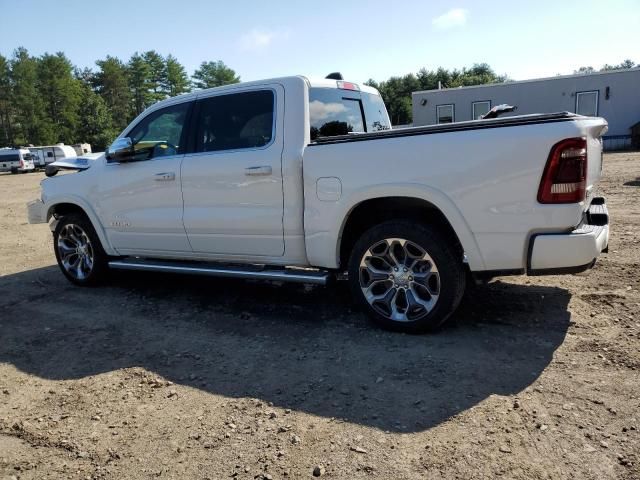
[{"x": 296, "y": 275}]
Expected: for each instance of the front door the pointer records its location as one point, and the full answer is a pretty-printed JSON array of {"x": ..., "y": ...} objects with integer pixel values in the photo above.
[
  {"x": 140, "y": 202},
  {"x": 232, "y": 183}
]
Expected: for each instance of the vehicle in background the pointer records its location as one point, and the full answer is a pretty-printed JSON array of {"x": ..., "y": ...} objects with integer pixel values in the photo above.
[
  {"x": 16, "y": 160},
  {"x": 82, "y": 148},
  {"x": 47, "y": 154}
]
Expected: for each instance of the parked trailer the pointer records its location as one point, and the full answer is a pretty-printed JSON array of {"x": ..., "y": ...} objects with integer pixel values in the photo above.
[
  {"x": 82, "y": 148},
  {"x": 50, "y": 153}
]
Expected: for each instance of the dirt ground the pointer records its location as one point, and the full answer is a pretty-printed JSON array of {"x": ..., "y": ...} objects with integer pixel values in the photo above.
[{"x": 177, "y": 377}]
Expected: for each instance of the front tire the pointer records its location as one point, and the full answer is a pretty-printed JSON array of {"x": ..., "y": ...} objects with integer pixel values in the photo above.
[
  {"x": 78, "y": 250},
  {"x": 408, "y": 277}
]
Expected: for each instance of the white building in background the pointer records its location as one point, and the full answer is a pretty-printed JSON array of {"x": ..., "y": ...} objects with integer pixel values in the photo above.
[{"x": 614, "y": 95}]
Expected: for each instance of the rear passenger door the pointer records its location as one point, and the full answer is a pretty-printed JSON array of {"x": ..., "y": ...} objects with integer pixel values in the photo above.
[{"x": 232, "y": 182}]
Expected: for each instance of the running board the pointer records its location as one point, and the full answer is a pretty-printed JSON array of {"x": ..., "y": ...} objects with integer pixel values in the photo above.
[{"x": 296, "y": 275}]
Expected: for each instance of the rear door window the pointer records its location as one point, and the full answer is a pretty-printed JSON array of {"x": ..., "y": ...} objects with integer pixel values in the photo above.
[
  {"x": 335, "y": 112},
  {"x": 235, "y": 121}
]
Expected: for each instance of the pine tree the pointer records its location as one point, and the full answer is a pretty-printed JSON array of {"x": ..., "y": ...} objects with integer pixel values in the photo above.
[
  {"x": 177, "y": 81},
  {"x": 157, "y": 75},
  {"x": 31, "y": 123},
  {"x": 60, "y": 92},
  {"x": 214, "y": 74},
  {"x": 94, "y": 125},
  {"x": 6, "y": 129},
  {"x": 112, "y": 83},
  {"x": 139, "y": 75}
]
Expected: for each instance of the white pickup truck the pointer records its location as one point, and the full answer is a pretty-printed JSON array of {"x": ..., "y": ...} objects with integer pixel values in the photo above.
[{"x": 301, "y": 180}]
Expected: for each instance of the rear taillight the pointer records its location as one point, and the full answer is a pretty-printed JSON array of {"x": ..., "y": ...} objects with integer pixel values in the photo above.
[{"x": 565, "y": 175}]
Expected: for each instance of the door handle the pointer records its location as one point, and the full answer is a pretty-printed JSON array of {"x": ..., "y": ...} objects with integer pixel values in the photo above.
[
  {"x": 255, "y": 171},
  {"x": 164, "y": 177}
]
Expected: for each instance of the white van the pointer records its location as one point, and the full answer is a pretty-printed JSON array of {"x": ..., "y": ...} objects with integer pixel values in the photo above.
[
  {"x": 47, "y": 154},
  {"x": 16, "y": 160}
]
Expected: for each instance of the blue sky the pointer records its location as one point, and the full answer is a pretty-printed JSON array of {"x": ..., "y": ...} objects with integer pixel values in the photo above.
[{"x": 365, "y": 39}]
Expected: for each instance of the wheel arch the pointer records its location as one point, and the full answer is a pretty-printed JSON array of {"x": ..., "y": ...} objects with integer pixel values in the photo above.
[
  {"x": 66, "y": 206},
  {"x": 377, "y": 209}
]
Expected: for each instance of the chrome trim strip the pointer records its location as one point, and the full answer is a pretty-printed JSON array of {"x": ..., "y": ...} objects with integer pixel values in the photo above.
[{"x": 301, "y": 276}]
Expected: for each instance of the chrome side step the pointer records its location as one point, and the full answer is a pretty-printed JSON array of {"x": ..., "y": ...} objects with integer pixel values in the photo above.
[{"x": 296, "y": 275}]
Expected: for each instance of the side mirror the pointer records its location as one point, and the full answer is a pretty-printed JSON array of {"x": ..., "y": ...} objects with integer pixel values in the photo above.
[
  {"x": 121, "y": 151},
  {"x": 50, "y": 170}
]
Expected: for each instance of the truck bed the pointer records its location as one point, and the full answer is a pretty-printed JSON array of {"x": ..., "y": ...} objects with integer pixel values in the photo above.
[
  {"x": 536, "y": 118},
  {"x": 483, "y": 175}
]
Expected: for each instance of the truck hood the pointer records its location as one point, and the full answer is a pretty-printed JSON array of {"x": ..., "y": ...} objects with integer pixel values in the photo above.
[{"x": 76, "y": 163}]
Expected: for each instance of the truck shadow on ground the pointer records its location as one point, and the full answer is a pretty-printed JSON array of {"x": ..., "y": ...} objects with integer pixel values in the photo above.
[{"x": 299, "y": 347}]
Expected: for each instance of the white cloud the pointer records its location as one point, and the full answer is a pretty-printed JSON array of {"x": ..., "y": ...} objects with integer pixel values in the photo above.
[
  {"x": 321, "y": 111},
  {"x": 261, "y": 39},
  {"x": 456, "y": 17}
]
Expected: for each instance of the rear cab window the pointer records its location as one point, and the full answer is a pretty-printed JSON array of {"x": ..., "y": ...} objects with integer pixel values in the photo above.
[{"x": 334, "y": 111}]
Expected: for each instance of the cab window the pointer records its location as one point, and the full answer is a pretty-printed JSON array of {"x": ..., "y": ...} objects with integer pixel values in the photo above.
[
  {"x": 235, "y": 121},
  {"x": 334, "y": 112},
  {"x": 159, "y": 134},
  {"x": 375, "y": 113}
]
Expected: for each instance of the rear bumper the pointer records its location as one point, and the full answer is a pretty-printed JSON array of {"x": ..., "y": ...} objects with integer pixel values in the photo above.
[
  {"x": 571, "y": 252},
  {"x": 36, "y": 212}
]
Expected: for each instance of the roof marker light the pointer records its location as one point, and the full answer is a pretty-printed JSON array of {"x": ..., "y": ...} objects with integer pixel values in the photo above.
[{"x": 348, "y": 86}]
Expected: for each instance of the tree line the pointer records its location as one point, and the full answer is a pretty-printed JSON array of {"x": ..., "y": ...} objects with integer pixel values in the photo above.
[
  {"x": 46, "y": 100},
  {"x": 607, "y": 67},
  {"x": 396, "y": 91}
]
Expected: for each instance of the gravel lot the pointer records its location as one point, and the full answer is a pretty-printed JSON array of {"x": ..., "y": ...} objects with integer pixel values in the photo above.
[{"x": 177, "y": 377}]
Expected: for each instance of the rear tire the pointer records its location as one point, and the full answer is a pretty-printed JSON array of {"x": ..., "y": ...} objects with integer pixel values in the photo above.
[
  {"x": 78, "y": 251},
  {"x": 408, "y": 277}
]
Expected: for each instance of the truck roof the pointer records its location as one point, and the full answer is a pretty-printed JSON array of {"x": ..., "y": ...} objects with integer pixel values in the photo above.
[
  {"x": 312, "y": 82},
  {"x": 329, "y": 83}
]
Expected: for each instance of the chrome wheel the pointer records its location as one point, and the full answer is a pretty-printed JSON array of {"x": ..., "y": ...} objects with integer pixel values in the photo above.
[
  {"x": 75, "y": 251},
  {"x": 399, "y": 279}
]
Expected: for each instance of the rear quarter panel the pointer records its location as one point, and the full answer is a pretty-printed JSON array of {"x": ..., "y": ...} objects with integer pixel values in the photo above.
[{"x": 484, "y": 181}]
